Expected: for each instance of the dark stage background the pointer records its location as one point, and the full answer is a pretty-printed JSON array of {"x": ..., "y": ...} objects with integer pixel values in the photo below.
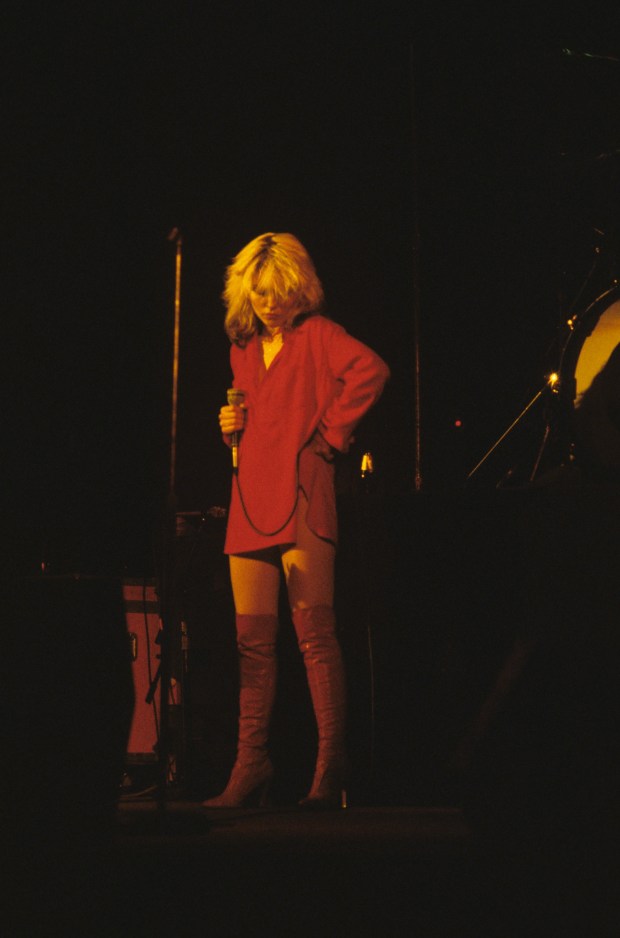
[
  {"x": 432, "y": 157},
  {"x": 369, "y": 133},
  {"x": 433, "y": 160}
]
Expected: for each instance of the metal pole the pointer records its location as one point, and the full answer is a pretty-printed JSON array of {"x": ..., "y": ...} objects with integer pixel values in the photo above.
[
  {"x": 417, "y": 481},
  {"x": 175, "y": 235},
  {"x": 167, "y": 599}
]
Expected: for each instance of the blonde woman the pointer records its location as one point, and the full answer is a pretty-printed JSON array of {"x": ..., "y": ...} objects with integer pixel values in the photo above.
[{"x": 306, "y": 384}]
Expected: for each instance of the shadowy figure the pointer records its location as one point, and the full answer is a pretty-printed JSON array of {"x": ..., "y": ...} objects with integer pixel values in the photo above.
[{"x": 540, "y": 760}]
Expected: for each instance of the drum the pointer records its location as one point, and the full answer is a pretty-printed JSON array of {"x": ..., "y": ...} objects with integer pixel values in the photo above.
[{"x": 593, "y": 336}]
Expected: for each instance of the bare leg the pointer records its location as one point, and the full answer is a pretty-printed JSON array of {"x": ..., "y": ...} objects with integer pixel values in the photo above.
[
  {"x": 308, "y": 566},
  {"x": 255, "y": 580}
]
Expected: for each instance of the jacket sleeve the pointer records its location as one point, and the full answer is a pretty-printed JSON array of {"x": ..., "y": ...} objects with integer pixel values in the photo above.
[{"x": 360, "y": 376}]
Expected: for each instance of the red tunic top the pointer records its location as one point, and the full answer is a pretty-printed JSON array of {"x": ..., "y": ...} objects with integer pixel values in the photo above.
[{"x": 321, "y": 379}]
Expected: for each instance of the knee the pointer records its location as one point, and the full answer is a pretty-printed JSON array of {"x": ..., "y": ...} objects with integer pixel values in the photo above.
[{"x": 256, "y": 631}]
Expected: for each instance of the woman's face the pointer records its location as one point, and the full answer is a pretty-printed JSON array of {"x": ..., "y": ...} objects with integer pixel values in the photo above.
[{"x": 274, "y": 313}]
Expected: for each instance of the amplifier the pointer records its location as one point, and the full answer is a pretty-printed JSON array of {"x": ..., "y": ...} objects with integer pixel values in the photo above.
[{"x": 141, "y": 605}]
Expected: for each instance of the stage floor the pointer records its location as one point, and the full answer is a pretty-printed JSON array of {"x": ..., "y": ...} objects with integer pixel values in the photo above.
[
  {"x": 283, "y": 871},
  {"x": 168, "y": 867}
]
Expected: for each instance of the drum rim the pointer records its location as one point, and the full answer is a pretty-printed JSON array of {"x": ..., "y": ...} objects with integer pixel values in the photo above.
[{"x": 580, "y": 327}]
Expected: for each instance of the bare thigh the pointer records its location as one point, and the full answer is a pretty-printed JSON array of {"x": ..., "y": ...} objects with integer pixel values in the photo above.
[
  {"x": 308, "y": 566},
  {"x": 255, "y": 580}
]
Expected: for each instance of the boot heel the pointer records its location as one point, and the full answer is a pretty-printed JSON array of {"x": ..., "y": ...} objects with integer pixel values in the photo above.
[
  {"x": 249, "y": 784},
  {"x": 328, "y": 792}
]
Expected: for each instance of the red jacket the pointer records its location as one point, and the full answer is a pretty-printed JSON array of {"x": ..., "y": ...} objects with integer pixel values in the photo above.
[{"x": 323, "y": 379}]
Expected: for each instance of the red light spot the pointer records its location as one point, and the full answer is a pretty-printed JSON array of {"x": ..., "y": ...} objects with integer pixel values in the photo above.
[{"x": 458, "y": 423}]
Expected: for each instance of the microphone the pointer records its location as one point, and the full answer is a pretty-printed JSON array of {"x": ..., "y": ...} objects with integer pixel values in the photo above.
[{"x": 235, "y": 397}]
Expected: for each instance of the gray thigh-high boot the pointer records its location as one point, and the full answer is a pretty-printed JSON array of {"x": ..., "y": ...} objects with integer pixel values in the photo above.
[
  {"x": 252, "y": 772},
  {"x": 316, "y": 634}
]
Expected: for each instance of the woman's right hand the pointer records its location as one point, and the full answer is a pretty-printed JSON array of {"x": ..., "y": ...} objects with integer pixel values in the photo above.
[{"x": 232, "y": 418}]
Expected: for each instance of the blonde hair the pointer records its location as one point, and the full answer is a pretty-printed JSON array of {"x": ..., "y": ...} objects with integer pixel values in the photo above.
[{"x": 278, "y": 263}]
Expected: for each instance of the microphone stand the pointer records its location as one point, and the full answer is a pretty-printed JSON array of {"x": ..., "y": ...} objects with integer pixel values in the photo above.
[
  {"x": 550, "y": 383},
  {"x": 169, "y": 612}
]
